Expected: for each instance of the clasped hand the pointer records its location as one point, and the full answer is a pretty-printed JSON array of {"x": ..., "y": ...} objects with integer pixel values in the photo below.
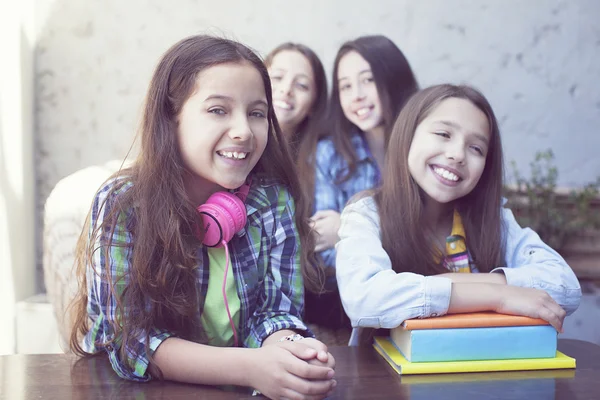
[{"x": 299, "y": 370}]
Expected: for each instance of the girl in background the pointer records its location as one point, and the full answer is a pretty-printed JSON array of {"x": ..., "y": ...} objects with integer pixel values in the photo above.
[
  {"x": 191, "y": 268},
  {"x": 300, "y": 103},
  {"x": 372, "y": 80},
  {"x": 412, "y": 248}
]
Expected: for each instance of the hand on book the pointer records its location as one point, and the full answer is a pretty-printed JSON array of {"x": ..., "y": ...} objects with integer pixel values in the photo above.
[
  {"x": 530, "y": 302},
  {"x": 293, "y": 370}
]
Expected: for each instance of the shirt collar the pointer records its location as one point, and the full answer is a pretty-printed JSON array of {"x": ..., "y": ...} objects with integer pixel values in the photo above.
[{"x": 257, "y": 197}]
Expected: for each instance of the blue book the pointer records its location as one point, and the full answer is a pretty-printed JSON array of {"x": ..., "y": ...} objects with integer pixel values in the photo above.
[{"x": 485, "y": 343}]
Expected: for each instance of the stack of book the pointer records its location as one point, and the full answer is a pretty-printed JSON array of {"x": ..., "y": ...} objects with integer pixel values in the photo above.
[{"x": 472, "y": 342}]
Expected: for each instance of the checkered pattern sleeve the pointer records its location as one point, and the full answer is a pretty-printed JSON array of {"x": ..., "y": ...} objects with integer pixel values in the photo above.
[{"x": 107, "y": 277}]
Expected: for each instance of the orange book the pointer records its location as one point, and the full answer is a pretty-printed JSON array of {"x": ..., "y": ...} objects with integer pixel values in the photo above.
[{"x": 471, "y": 320}]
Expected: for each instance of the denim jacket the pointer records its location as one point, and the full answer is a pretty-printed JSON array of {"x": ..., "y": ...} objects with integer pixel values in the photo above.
[{"x": 375, "y": 296}]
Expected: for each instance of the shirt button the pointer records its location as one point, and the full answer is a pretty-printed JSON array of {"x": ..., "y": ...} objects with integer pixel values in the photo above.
[
  {"x": 453, "y": 246},
  {"x": 434, "y": 314}
]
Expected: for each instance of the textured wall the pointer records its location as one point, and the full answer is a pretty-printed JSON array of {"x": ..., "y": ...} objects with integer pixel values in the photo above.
[{"x": 537, "y": 61}]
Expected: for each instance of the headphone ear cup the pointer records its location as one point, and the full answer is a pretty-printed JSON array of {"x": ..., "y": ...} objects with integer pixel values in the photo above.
[
  {"x": 223, "y": 215},
  {"x": 215, "y": 223},
  {"x": 234, "y": 206}
]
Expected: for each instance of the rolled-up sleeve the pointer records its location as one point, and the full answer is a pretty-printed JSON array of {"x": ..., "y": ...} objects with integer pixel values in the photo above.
[
  {"x": 372, "y": 293},
  {"x": 106, "y": 281},
  {"x": 532, "y": 263},
  {"x": 282, "y": 299}
]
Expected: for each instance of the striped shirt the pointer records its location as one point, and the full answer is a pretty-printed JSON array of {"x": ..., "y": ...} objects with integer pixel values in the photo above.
[
  {"x": 457, "y": 257},
  {"x": 265, "y": 258}
]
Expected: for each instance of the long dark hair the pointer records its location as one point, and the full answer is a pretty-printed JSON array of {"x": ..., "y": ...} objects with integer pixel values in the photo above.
[
  {"x": 303, "y": 143},
  {"x": 161, "y": 282},
  {"x": 400, "y": 199},
  {"x": 395, "y": 83}
]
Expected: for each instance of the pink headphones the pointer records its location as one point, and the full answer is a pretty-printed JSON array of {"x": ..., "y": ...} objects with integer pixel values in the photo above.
[{"x": 224, "y": 215}]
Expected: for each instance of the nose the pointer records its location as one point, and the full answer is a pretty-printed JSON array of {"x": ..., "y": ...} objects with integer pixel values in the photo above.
[
  {"x": 358, "y": 92},
  {"x": 240, "y": 129},
  {"x": 456, "y": 151},
  {"x": 285, "y": 86}
]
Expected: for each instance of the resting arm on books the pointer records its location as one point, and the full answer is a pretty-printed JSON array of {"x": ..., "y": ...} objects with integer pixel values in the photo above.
[
  {"x": 505, "y": 299},
  {"x": 375, "y": 296},
  {"x": 530, "y": 263},
  {"x": 372, "y": 293}
]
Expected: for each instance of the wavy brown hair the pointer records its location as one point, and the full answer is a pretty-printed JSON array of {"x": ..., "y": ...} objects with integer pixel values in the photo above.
[
  {"x": 161, "y": 282},
  {"x": 395, "y": 83},
  {"x": 304, "y": 141},
  {"x": 400, "y": 200}
]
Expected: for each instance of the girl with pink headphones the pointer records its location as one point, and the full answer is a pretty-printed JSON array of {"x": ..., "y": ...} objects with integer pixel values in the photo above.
[{"x": 190, "y": 269}]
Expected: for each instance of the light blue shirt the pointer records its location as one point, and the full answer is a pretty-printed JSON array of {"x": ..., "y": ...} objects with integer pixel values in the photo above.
[
  {"x": 330, "y": 194},
  {"x": 375, "y": 296}
]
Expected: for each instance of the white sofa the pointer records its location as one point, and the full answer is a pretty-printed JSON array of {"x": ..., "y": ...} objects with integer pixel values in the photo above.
[{"x": 65, "y": 212}]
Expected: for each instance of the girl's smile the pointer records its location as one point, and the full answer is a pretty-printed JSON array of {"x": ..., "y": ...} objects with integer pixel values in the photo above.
[
  {"x": 294, "y": 89},
  {"x": 223, "y": 128},
  {"x": 358, "y": 92},
  {"x": 448, "y": 151},
  {"x": 448, "y": 176}
]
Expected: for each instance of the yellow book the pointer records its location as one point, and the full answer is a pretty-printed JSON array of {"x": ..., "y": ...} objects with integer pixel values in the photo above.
[
  {"x": 401, "y": 365},
  {"x": 467, "y": 377}
]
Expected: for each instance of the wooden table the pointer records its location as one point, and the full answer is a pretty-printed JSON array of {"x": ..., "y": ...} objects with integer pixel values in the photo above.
[{"x": 361, "y": 374}]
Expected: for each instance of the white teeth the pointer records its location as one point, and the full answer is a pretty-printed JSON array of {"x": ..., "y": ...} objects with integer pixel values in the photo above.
[
  {"x": 233, "y": 154},
  {"x": 446, "y": 174},
  {"x": 362, "y": 111},
  {"x": 282, "y": 104}
]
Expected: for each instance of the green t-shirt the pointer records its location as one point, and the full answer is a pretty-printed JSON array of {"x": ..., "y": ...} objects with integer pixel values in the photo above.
[{"x": 214, "y": 315}]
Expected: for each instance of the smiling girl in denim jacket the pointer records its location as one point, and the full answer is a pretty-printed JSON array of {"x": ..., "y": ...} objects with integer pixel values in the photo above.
[{"x": 435, "y": 239}]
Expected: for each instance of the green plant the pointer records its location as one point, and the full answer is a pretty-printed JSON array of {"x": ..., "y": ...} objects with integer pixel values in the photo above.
[{"x": 554, "y": 216}]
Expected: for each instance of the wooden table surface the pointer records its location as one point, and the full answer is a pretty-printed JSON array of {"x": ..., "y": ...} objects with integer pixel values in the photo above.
[{"x": 361, "y": 374}]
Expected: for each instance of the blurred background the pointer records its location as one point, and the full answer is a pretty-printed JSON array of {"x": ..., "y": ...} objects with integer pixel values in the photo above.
[{"x": 74, "y": 73}]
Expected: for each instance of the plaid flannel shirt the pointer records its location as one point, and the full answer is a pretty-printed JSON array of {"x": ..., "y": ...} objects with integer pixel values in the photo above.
[
  {"x": 330, "y": 194},
  {"x": 265, "y": 258}
]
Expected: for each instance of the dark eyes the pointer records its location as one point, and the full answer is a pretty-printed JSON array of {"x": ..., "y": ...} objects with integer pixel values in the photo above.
[
  {"x": 446, "y": 135},
  {"x": 258, "y": 114},
  {"x": 478, "y": 149},
  {"x": 220, "y": 111},
  {"x": 365, "y": 80},
  {"x": 344, "y": 87},
  {"x": 302, "y": 86}
]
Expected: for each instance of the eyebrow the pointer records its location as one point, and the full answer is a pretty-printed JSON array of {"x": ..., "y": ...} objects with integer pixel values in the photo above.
[
  {"x": 228, "y": 98},
  {"x": 360, "y": 73},
  {"x": 286, "y": 71},
  {"x": 454, "y": 125}
]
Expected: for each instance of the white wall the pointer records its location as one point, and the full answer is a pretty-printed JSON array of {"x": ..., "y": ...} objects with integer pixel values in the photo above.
[
  {"x": 537, "y": 61},
  {"x": 17, "y": 248}
]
